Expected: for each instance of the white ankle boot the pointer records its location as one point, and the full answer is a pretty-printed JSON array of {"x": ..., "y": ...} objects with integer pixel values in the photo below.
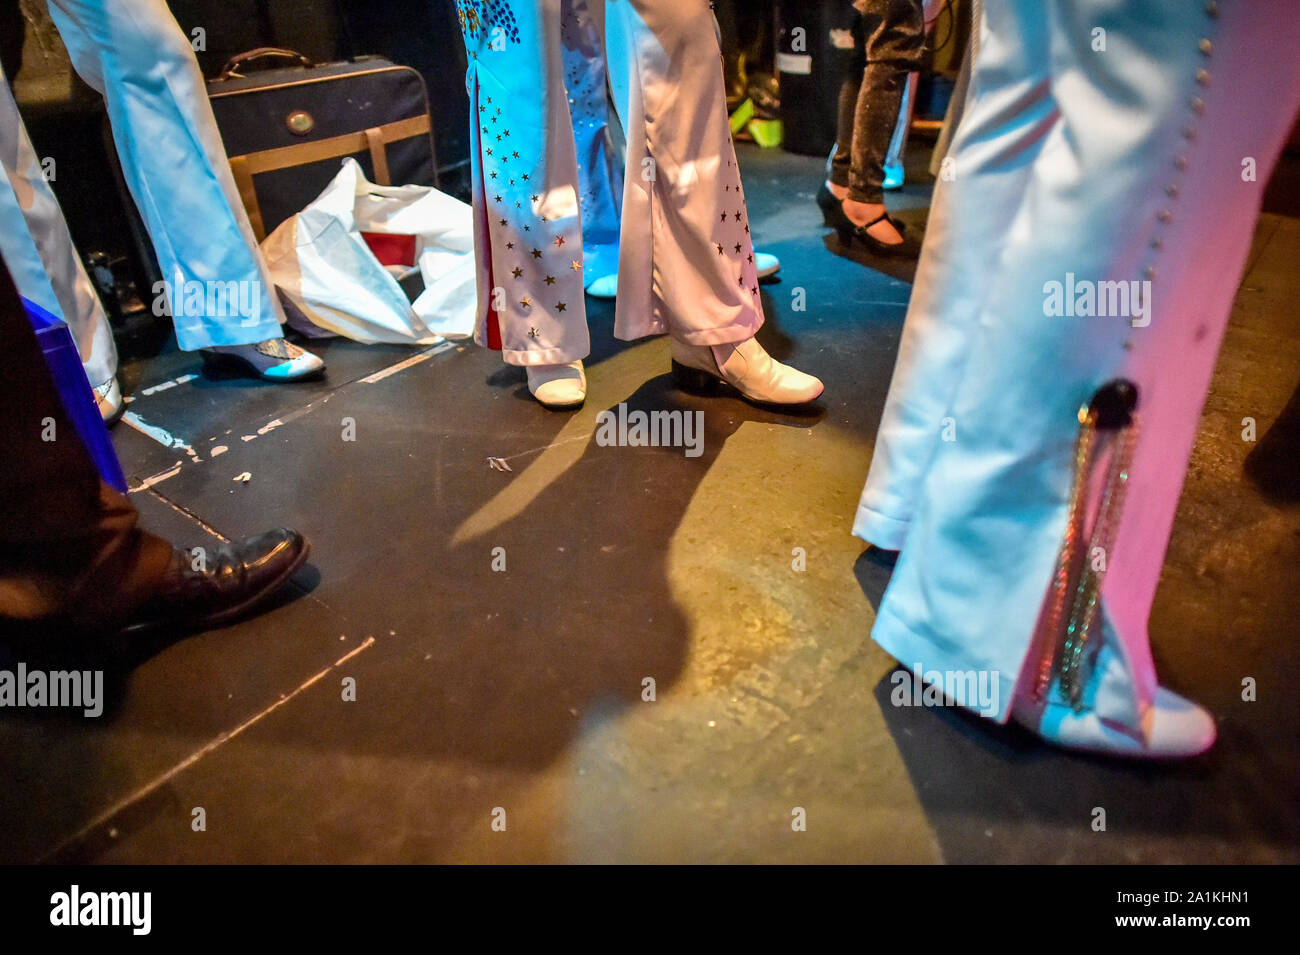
[
  {"x": 1109, "y": 721},
  {"x": 749, "y": 369},
  {"x": 558, "y": 386},
  {"x": 1172, "y": 728}
]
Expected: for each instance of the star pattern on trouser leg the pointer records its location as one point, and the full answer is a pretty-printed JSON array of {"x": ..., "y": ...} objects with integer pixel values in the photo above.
[
  {"x": 535, "y": 268},
  {"x": 728, "y": 236}
]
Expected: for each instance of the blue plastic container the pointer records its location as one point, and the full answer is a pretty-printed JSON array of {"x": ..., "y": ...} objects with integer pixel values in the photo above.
[{"x": 78, "y": 397}]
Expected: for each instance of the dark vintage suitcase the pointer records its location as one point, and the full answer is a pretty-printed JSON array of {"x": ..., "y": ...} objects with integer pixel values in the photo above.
[{"x": 287, "y": 130}]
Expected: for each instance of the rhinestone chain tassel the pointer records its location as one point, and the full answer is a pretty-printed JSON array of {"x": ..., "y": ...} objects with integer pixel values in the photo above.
[{"x": 1075, "y": 571}]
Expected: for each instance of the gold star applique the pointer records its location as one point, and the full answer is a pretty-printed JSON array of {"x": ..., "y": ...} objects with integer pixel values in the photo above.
[
  {"x": 750, "y": 257},
  {"x": 559, "y": 241},
  {"x": 503, "y": 221},
  {"x": 724, "y": 217},
  {"x": 537, "y": 253},
  {"x": 534, "y": 198},
  {"x": 494, "y": 175},
  {"x": 576, "y": 266},
  {"x": 526, "y": 302},
  {"x": 720, "y": 250},
  {"x": 489, "y": 152},
  {"x": 534, "y": 332},
  {"x": 737, "y": 248},
  {"x": 550, "y": 280},
  {"x": 497, "y": 199},
  {"x": 510, "y": 245},
  {"x": 561, "y": 307},
  {"x": 737, "y": 216},
  {"x": 525, "y": 177},
  {"x": 517, "y": 271},
  {"x": 741, "y": 281}
]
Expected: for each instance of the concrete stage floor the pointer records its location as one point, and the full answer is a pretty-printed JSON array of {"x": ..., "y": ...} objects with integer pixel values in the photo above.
[{"x": 522, "y": 690}]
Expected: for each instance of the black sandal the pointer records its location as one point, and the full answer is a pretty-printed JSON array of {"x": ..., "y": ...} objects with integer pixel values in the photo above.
[{"x": 859, "y": 232}]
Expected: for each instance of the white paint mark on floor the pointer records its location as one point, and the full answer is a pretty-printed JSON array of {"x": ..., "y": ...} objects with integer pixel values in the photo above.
[
  {"x": 158, "y": 478},
  {"x": 403, "y": 365},
  {"x": 159, "y": 434},
  {"x": 154, "y": 389}
]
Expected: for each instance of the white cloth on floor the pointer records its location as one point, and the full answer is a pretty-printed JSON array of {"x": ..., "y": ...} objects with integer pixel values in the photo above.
[{"x": 321, "y": 263}]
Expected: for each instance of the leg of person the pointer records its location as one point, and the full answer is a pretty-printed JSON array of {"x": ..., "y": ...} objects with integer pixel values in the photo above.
[
  {"x": 600, "y": 172},
  {"x": 841, "y": 159},
  {"x": 995, "y": 577},
  {"x": 35, "y": 241},
  {"x": 895, "y": 36},
  {"x": 528, "y": 224},
  {"x": 894, "y": 174},
  {"x": 72, "y": 553},
  {"x": 993, "y": 155},
  {"x": 71, "y": 549},
  {"x": 686, "y": 265},
  {"x": 135, "y": 54},
  {"x": 620, "y": 66}
]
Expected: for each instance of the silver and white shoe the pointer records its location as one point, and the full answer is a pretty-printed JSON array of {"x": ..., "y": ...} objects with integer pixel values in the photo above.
[
  {"x": 767, "y": 264},
  {"x": 749, "y": 369},
  {"x": 1173, "y": 728},
  {"x": 558, "y": 386},
  {"x": 273, "y": 360},
  {"x": 108, "y": 398}
]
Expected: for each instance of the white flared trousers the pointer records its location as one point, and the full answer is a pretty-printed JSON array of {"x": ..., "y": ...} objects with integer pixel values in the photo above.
[
  {"x": 685, "y": 257},
  {"x": 1103, "y": 141},
  {"x": 134, "y": 53}
]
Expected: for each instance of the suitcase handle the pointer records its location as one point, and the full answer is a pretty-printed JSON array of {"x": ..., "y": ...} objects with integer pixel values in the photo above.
[{"x": 236, "y": 63}]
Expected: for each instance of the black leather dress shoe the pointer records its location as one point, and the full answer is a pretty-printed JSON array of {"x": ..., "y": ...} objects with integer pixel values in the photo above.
[{"x": 199, "y": 591}]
